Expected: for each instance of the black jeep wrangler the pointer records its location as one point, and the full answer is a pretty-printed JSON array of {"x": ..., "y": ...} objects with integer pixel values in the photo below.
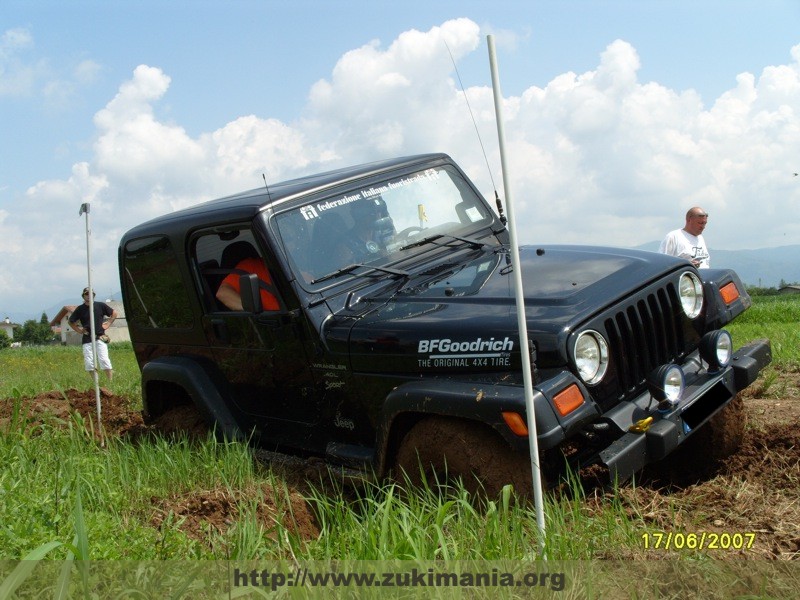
[{"x": 380, "y": 333}]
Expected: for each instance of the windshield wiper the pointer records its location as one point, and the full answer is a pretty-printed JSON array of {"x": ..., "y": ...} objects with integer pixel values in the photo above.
[
  {"x": 432, "y": 238},
  {"x": 422, "y": 242},
  {"x": 352, "y": 267}
]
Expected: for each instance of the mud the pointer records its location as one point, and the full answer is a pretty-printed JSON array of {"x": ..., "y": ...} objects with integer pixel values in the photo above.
[
  {"x": 199, "y": 514},
  {"x": 202, "y": 515},
  {"x": 754, "y": 491}
]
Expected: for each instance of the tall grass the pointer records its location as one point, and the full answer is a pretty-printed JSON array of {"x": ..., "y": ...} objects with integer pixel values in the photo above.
[
  {"x": 48, "y": 470},
  {"x": 61, "y": 491}
]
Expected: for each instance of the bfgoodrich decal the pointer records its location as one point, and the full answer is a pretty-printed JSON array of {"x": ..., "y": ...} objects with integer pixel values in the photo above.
[{"x": 478, "y": 352}]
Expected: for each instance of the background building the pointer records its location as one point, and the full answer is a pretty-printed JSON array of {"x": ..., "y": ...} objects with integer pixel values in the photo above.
[
  {"x": 7, "y": 326},
  {"x": 118, "y": 332}
]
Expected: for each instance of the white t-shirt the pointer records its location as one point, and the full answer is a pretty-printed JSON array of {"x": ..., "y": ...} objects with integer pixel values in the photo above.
[{"x": 685, "y": 245}]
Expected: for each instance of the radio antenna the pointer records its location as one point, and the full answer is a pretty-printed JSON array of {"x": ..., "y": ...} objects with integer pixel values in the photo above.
[
  {"x": 500, "y": 212},
  {"x": 264, "y": 177}
]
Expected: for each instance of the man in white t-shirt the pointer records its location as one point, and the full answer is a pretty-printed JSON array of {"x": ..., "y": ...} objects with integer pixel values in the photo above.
[{"x": 688, "y": 242}]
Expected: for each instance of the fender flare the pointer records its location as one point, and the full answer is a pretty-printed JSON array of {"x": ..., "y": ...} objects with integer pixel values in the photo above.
[
  {"x": 475, "y": 401},
  {"x": 204, "y": 393},
  {"x": 717, "y": 313}
]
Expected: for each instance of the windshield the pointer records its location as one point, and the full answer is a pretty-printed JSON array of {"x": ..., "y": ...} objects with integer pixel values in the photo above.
[{"x": 379, "y": 223}]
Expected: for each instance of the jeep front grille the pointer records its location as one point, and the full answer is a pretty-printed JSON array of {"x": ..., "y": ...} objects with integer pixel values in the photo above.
[{"x": 649, "y": 332}]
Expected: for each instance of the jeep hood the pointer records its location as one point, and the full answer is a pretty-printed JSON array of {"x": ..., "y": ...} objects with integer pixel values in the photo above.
[{"x": 465, "y": 313}]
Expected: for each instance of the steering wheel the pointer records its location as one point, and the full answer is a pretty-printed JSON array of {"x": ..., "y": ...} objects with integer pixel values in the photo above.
[{"x": 408, "y": 231}]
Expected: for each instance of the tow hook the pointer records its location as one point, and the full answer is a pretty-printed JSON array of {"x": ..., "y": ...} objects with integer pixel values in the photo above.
[{"x": 641, "y": 425}]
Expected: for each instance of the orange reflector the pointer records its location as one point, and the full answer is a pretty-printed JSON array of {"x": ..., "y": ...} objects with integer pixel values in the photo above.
[
  {"x": 729, "y": 292},
  {"x": 568, "y": 400},
  {"x": 516, "y": 423}
]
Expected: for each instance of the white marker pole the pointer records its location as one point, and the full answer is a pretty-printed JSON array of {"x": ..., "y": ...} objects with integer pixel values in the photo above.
[
  {"x": 520, "y": 301},
  {"x": 85, "y": 210}
]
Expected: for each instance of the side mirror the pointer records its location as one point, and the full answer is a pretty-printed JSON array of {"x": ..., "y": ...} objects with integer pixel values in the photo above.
[{"x": 250, "y": 292}]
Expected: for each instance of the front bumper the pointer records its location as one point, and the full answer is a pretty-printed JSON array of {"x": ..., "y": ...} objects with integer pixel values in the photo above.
[{"x": 705, "y": 395}]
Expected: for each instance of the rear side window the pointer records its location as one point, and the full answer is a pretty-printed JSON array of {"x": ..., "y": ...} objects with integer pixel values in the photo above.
[
  {"x": 220, "y": 254},
  {"x": 153, "y": 285}
]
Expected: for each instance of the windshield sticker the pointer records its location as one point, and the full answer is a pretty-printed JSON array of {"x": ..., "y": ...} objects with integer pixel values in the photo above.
[
  {"x": 313, "y": 211},
  {"x": 471, "y": 353},
  {"x": 474, "y": 214}
]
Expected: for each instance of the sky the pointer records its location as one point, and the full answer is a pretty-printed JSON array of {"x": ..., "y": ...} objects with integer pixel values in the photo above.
[{"x": 618, "y": 115}]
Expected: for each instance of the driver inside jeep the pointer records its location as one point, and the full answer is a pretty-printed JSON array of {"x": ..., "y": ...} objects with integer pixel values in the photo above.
[
  {"x": 229, "y": 292},
  {"x": 372, "y": 228}
]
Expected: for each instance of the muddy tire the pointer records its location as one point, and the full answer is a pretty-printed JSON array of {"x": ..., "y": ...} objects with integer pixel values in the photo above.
[
  {"x": 182, "y": 419},
  {"x": 438, "y": 451}
]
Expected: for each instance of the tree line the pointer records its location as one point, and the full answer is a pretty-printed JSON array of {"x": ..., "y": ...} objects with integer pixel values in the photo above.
[
  {"x": 31, "y": 332},
  {"x": 769, "y": 291}
]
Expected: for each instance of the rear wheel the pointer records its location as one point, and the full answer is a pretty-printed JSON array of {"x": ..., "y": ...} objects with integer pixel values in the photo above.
[
  {"x": 438, "y": 451},
  {"x": 182, "y": 419}
]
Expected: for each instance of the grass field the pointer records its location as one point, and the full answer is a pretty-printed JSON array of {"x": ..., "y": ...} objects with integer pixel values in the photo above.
[
  {"x": 776, "y": 318},
  {"x": 63, "y": 496}
]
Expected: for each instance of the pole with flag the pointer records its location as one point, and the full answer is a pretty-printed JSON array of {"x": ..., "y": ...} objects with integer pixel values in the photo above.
[
  {"x": 520, "y": 302},
  {"x": 85, "y": 210}
]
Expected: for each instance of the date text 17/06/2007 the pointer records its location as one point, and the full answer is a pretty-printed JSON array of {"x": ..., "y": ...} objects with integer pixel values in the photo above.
[{"x": 704, "y": 540}]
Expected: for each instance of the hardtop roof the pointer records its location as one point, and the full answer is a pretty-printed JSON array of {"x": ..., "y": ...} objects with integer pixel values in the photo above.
[{"x": 245, "y": 205}]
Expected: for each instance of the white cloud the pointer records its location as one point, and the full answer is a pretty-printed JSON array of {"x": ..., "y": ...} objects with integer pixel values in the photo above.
[
  {"x": 247, "y": 148},
  {"x": 14, "y": 39},
  {"x": 133, "y": 147},
  {"x": 597, "y": 157},
  {"x": 22, "y": 75},
  {"x": 16, "y": 76},
  {"x": 86, "y": 71},
  {"x": 395, "y": 100}
]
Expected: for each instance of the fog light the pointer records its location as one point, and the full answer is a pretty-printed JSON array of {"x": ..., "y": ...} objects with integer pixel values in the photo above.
[
  {"x": 716, "y": 348},
  {"x": 667, "y": 383}
]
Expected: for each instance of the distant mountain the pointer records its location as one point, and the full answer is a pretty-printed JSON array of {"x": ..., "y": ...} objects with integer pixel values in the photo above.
[
  {"x": 763, "y": 267},
  {"x": 53, "y": 310}
]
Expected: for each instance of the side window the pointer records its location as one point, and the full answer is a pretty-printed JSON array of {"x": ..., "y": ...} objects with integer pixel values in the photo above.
[
  {"x": 221, "y": 258},
  {"x": 153, "y": 282}
]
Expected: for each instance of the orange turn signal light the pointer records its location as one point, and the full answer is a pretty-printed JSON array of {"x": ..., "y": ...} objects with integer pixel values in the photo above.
[
  {"x": 516, "y": 423},
  {"x": 568, "y": 400},
  {"x": 565, "y": 401},
  {"x": 729, "y": 293}
]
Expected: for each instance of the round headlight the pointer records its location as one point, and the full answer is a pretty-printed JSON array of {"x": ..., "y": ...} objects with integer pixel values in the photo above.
[
  {"x": 690, "y": 289},
  {"x": 716, "y": 348},
  {"x": 591, "y": 356}
]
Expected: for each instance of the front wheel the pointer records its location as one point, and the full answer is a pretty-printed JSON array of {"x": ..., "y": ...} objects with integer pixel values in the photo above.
[{"x": 439, "y": 451}]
